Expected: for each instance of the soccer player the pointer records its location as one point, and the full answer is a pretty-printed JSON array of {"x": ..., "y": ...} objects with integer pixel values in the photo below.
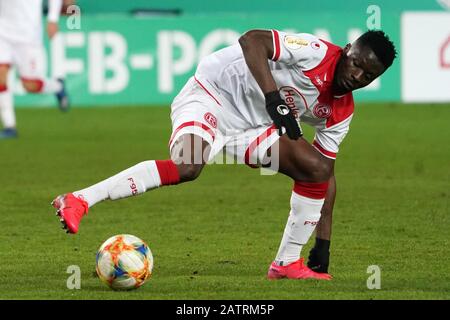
[
  {"x": 21, "y": 45},
  {"x": 250, "y": 98}
]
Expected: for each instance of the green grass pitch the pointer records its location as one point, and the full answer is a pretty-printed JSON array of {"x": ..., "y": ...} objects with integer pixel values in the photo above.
[{"x": 215, "y": 238}]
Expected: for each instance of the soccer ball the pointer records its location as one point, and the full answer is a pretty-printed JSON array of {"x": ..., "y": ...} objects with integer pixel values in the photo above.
[{"x": 124, "y": 262}]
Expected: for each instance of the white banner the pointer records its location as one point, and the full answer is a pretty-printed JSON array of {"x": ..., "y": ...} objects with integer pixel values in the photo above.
[{"x": 425, "y": 57}]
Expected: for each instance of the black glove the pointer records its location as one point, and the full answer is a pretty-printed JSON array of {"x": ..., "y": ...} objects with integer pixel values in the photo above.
[
  {"x": 319, "y": 256},
  {"x": 282, "y": 115}
]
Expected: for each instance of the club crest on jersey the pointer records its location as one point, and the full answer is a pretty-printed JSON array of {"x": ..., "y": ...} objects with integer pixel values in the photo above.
[
  {"x": 294, "y": 99},
  {"x": 294, "y": 43},
  {"x": 315, "y": 45},
  {"x": 211, "y": 119},
  {"x": 322, "y": 110}
]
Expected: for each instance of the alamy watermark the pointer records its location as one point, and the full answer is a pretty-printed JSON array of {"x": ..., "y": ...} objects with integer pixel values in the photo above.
[
  {"x": 74, "y": 17},
  {"x": 374, "y": 280},
  {"x": 74, "y": 280},
  {"x": 373, "y": 22}
]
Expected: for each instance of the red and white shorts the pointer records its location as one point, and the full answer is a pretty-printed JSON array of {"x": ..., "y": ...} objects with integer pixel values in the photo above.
[
  {"x": 29, "y": 59},
  {"x": 196, "y": 111}
]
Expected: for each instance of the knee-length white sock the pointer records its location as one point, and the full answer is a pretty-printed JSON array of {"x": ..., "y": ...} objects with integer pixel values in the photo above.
[
  {"x": 7, "y": 114},
  {"x": 142, "y": 177},
  {"x": 51, "y": 86},
  {"x": 306, "y": 204}
]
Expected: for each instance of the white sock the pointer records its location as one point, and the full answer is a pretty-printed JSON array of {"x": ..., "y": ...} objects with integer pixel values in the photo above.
[
  {"x": 7, "y": 114},
  {"x": 132, "y": 181},
  {"x": 303, "y": 218},
  {"x": 51, "y": 86}
]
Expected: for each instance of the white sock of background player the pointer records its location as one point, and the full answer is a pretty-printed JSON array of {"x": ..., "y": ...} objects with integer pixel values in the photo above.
[
  {"x": 7, "y": 114},
  {"x": 45, "y": 85},
  {"x": 51, "y": 86}
]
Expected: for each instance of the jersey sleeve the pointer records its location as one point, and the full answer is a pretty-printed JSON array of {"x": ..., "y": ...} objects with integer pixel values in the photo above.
[
  {"x": 327, "y": 140},
  {"x": 302, "y": 49},
  {"x": 329, "y": 137}
]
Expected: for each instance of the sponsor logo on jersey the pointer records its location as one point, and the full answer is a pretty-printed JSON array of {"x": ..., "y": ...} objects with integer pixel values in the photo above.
[
  {"x": 322, "y": 110},
  {"x": 293, "y": 99},
  {"x": 312, "y": 223},
  {"x": 294, "y": 43},
  {"x": 211, "y": 119}
]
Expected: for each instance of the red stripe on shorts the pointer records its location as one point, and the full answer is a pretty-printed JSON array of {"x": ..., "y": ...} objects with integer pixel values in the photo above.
[
  {"x": 192, "y": 124},
  {"x": 255, "y": 143},
  {"x": 323, "y": 151}
]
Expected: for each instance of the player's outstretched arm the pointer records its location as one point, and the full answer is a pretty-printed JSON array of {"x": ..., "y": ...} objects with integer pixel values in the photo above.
[
  {"x": 257, "y": 47},
  {"x": 323, "y": 230}
]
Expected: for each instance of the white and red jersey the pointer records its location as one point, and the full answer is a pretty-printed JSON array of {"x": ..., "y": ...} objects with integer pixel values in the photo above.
[
  {"x": 21, "y": 20},
  {"x": 303, "y": 68}
]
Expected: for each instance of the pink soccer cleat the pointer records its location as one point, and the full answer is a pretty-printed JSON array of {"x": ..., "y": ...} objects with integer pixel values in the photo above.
[
  {"x": 295, "y": 270},
  {"x": 70, "y": 210}
]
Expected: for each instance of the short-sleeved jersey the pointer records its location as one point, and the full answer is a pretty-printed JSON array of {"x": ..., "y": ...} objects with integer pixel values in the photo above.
[
  {"x": 303, "y": 67},
  {"x": 21, "y": 20}
]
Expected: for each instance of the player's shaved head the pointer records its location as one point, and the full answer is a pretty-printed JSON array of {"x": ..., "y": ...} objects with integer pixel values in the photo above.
[{"x": 363, "y": 61}]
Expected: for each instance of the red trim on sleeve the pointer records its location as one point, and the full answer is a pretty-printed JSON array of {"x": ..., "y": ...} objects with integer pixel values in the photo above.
[
  {"x": 311, "y": 190},
  {"x": 168, "y": 172},
  {"x": 3, "y": 87},
  {"x": 255, "y": 143},
  {"x": 190, "y": 124},
  {"x": 276, "y": 48},
  {"x": 323, "y": 151},
  {"x": 209, "y": 93}
]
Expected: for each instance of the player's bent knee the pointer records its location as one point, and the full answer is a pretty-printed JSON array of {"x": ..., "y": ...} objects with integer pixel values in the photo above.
[
  {"x": 321, "y": 172},
  {"x": 189, "y": 172},
  {"x": 33, "y": 85}
]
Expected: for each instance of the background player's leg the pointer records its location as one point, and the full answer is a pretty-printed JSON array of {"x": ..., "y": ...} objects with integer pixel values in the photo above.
[
  {"x": 41, "y": 85},
  {"x": 31, "y": 66},
  {"x": 185, "y": 164},
  {"x": 7, "y": 114}
]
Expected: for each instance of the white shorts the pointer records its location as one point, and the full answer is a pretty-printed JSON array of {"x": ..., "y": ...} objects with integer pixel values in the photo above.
[
  {"x": 196, "y": 111},
  {"x": 29, "y": 59}
]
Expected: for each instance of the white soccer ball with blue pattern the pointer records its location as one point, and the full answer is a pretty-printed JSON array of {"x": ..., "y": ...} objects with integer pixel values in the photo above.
[{"x": 124, "y": 262}]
